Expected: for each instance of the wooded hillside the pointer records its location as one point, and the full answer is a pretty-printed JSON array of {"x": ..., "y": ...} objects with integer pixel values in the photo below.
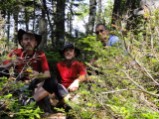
[{"x": 123, "y": 82}]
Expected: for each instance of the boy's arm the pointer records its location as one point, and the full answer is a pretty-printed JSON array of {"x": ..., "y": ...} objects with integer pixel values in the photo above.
[
  {"x": 75, "y": 84},
  {"x": 82, "y": 78}
]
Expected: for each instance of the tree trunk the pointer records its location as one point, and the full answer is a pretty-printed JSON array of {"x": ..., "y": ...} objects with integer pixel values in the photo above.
[
  {"x": 26, "y": 19},
  {"x": 92, "y": 14},
  {"x": 15, "y": 27},
  {"x": 129, "y": 7},
  {"x": 48, "y": 17},
  {"x": 43, "y": 27},
  {"x": 8, "y": 28},
  {"x": 53, "y": 40},
  {"x": 99, "y": 18},
  {"x": 43, "y": 32},
  {"x": 116, "y": 11},
  {"x": 60, "y": 23},
  {"x": 131, "y": 4},
  {"x": 69, "y": 18},
  {"x": 34, "y": 18},
  {"x": 3, "y": 11}
]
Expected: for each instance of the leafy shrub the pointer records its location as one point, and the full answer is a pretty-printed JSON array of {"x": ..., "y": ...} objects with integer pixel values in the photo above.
[{"x": 124, "y": 84}]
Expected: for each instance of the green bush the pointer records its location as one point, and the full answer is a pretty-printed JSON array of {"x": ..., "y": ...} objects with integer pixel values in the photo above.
[{"x": 125, "y": 82}]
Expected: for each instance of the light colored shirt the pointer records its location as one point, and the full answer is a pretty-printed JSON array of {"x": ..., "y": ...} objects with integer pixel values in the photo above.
[{"x": 112, "y": 40}]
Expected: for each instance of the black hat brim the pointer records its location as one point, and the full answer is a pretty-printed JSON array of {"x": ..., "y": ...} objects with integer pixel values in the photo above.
[
  {"x": 22, "y": 32},
  {"x": 77, "y": 51}
]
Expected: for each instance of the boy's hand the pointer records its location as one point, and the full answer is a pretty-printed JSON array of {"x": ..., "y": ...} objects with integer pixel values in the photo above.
[{"x": 74, "y": 86}]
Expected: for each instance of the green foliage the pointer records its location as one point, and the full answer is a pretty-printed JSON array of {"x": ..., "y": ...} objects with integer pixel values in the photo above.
[
  {"x": 10, "y": 106},
  {"x": 106, "y": 16},
  {"x": 53, "y": 56},
  {"x": 29, "y": 112},
  {"x": 124, "y": 78},
  {"x": 83, "y": 11},
  {"x": 123, "y": 83}
]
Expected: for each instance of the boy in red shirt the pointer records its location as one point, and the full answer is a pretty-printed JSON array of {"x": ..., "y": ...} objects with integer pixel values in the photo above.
[{"x": 70, "y": 71}]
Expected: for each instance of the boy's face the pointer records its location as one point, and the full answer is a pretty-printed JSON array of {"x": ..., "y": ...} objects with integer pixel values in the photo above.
[
  {"x": 28, "y": 42},
  {"x": 69, "y": 53}
]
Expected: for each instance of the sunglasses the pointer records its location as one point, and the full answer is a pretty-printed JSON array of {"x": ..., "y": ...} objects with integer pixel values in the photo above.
[{"x": 100, "y": 31}]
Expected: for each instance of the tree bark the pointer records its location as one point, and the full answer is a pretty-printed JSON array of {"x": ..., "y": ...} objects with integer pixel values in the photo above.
[
  {"x": 99, "y": 18},
  {"x": 8, "y": 28},
  {"x": 69, "y": 18},
  {"x": 43, "y": 26},
  {"x": 3, "y": 11},
  {"x": 116, "y": 11},
  {"x": 49, "y": 20},
  {"x": 131, "y": 4},
  {"x": 26, "y": 19},
  {"x": 34, "y": 18},
  {"x": 16, "y": 27},
  {"x": 53, "y": 39},
  {"x": 60, "y": 23},
  {"x": 92, "y": 15}
]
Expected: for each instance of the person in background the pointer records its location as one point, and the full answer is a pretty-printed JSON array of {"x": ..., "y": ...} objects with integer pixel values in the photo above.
[
  {"x": 104, "y": 35},
  {"x": 107, "y": 39}
]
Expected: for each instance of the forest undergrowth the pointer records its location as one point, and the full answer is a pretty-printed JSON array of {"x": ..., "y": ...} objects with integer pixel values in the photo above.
[{"x": 122, "y": 83}]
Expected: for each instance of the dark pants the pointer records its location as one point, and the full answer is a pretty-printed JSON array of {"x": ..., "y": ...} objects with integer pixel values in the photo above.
[
  {"x": 4, "y": 72},
  {"x": 52, "y": 86}
]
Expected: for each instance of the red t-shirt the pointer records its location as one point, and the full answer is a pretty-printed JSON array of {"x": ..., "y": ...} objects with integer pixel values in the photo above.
[
  {"x": 37, "y": 61},
  {"x": 69, "y": 74}
]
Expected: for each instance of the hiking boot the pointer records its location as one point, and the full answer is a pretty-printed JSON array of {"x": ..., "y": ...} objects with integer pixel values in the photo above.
[
  {"x": 24, "y": 100},
  {"x": 64, "y": 105},
  {"x": 45, "y": 105},
  {"x": 28, "y": 101}
]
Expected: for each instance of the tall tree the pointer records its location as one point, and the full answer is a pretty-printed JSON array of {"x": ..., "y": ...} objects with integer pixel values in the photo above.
[
  {"x": 43, "y": 25},
  {"x": 116, "y": 11},
  {"x": 131, "y": 4},
  {"x": 69, "y": 17},
  {"x": 15, "y": 15},
  {"x": 49, "y": 12},
  {"x": 123, "y": 8},
  {"x": 99, "y": 18},
  {"x": 26, "y": 18},
  {"x": 3, "y": 6},
  {"x": 92, "y": 14},
  {"x": 8, "y": 27},
  {"x": 60, "y": 22}
]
